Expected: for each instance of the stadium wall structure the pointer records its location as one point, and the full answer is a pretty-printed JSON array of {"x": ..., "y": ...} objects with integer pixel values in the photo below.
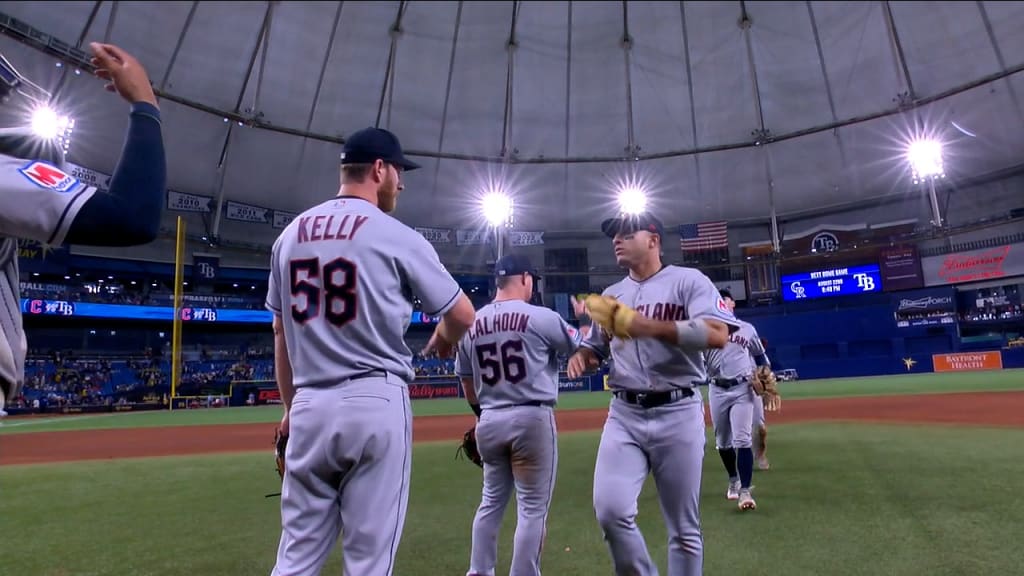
[
  {"x": 844, "y": 339},
  {"x": 427, "y": 387}
]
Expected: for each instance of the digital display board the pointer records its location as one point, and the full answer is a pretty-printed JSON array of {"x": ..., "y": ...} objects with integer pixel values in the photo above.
[
  {"x": 841, "y": 281},
  {"x": 192, "y": 314}
]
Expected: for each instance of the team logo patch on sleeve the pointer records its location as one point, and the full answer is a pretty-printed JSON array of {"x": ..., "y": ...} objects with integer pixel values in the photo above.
[
  {"x": 48, "y": 176},
  {"x": 723, "y": 307},
  {"x": 574, "y": 334}
]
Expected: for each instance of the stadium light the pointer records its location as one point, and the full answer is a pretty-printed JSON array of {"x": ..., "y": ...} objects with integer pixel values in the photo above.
[
  {"x": 497, "y": 208},
  {"x": 49, "y": 125},
  {"x": 632, "y": 200},
  {"x": 925, "y": 158},
  {"x": 46, "y": 123}
]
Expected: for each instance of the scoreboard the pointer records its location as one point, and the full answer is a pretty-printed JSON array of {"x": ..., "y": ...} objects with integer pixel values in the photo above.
[{"x": 831, "y": 282}]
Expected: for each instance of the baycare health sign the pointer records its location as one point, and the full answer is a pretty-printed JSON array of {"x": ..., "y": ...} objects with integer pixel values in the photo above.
[
  {"x": 974, "y": 265},
  {"x": 967, "y": 361}
]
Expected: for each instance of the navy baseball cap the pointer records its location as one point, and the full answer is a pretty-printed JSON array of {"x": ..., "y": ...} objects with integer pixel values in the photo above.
[
  {"x": 514, "y": 265},
  {"x": 628, "y": 223},
  {"x": 371, "y": 144}
]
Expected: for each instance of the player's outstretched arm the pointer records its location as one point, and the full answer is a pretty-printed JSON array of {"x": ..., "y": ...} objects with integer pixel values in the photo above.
[
  {"x": 128, "y": 214},
  {"x": 584, "y": 360},
  {"x": 453, "y": 325},
  {"x": 699, "y": 334}
]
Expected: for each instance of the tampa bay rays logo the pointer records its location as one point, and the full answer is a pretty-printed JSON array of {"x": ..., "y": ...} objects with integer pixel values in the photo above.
[
  {"x": 824, "y": 242},
  {"x": 206, "y": 270},
  {"x": 864, "y": 282}
]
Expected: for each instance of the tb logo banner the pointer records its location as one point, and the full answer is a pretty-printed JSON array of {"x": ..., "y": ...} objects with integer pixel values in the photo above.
[{"x": 205, "y": 269}]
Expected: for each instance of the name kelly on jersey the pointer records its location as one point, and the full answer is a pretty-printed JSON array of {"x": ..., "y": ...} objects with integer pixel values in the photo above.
[{"x": 324, "y": 227}]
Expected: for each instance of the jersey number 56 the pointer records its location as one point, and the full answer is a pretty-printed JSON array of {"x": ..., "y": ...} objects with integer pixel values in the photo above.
[
  {"x": 503, "y": 362},
  {"x": 337, "y": 289}
]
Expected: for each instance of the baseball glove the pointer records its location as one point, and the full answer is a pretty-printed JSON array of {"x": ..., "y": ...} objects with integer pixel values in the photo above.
[
  {"x": 613, "y": 316},
  {"x": 766, "y": 386},
  {"x": 469, "y": 449},
  {"x": 280, "y": 444}
]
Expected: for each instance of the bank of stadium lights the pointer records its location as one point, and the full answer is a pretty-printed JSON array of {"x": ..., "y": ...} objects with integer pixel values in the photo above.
[
  {"x": 49, "y": 125},
  {"x": 925, "y": 159},
  {"x": 632, "y": 200},
  {"x": 497, "y": 208}
]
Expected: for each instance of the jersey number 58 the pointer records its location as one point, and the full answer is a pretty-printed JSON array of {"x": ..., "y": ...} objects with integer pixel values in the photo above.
[
  {"x": 337, "y": 288},
  {"x": 503, "y": 362}
]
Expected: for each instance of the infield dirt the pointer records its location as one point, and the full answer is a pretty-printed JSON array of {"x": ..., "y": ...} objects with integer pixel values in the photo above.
[{"x": 976, "y": 409}]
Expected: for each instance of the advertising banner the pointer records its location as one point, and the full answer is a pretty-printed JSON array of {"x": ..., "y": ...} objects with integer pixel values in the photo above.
[
  {"x": 266, "y": 395},
  {"x": 919, "y": 301},
  {"x": 446, "y": 389},
  {"x": 566, "y": 384},
  {"x": 901, "y": 268},
  {"x": 974, "y": 265},
  {"x": 933, "y": 307},
  {"x": 967, "y": 361}
]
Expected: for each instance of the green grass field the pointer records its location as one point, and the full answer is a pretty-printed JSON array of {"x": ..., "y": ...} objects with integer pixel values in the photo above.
[
  {"x": 841, "y": 499},
  {"x": 843, "y": 387}
]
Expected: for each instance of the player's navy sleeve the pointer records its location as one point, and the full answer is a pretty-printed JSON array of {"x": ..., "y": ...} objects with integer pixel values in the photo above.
[
  {"x": 428, "y": 278},
  {"x": 703, "y": 300},
  {"x": 129, "y": 213}
]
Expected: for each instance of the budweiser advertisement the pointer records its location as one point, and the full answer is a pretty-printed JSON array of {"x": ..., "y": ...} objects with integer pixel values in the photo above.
[
  {"x": 901, "y": 268},
  {"x": 974, "y": 265},
  {"x": 967, "y": 361}
]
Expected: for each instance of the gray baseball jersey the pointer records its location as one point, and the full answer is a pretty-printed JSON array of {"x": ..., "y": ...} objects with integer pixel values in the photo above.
[
  {"x": 731, "y": 399},
  {"x": 647, "y": 365},
  {"x": 343, "y": 277},
  {"x": 511, "y": 352},
  {"x": 736, "y": 359},
  {"x": 39, "y": 202},
  {"x": 668, "y": 440}
]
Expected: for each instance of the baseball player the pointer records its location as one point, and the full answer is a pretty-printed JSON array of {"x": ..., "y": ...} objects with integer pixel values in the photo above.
[
  {"x": 654, "y": 324},
  {"x": 41, "y": 201},
  {"x": 508, "y": 364},
  {"x": 342, "y": 282},
  {"x": 731, "y": 399}
]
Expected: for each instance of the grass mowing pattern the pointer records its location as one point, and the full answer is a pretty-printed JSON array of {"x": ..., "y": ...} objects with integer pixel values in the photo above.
[
  {"x": 875, "y": 386},
  {"x": 843, "y": 500}
]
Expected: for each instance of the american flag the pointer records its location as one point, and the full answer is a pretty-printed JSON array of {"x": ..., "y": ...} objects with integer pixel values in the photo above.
[{"x": 704, "y": 236}]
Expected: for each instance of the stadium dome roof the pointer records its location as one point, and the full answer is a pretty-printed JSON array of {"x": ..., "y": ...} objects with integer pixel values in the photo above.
[{"x": 721, "y": 110}]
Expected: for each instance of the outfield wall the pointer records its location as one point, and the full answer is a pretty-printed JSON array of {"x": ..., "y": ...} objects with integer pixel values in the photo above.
[{"x": 866, "y": 336}]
